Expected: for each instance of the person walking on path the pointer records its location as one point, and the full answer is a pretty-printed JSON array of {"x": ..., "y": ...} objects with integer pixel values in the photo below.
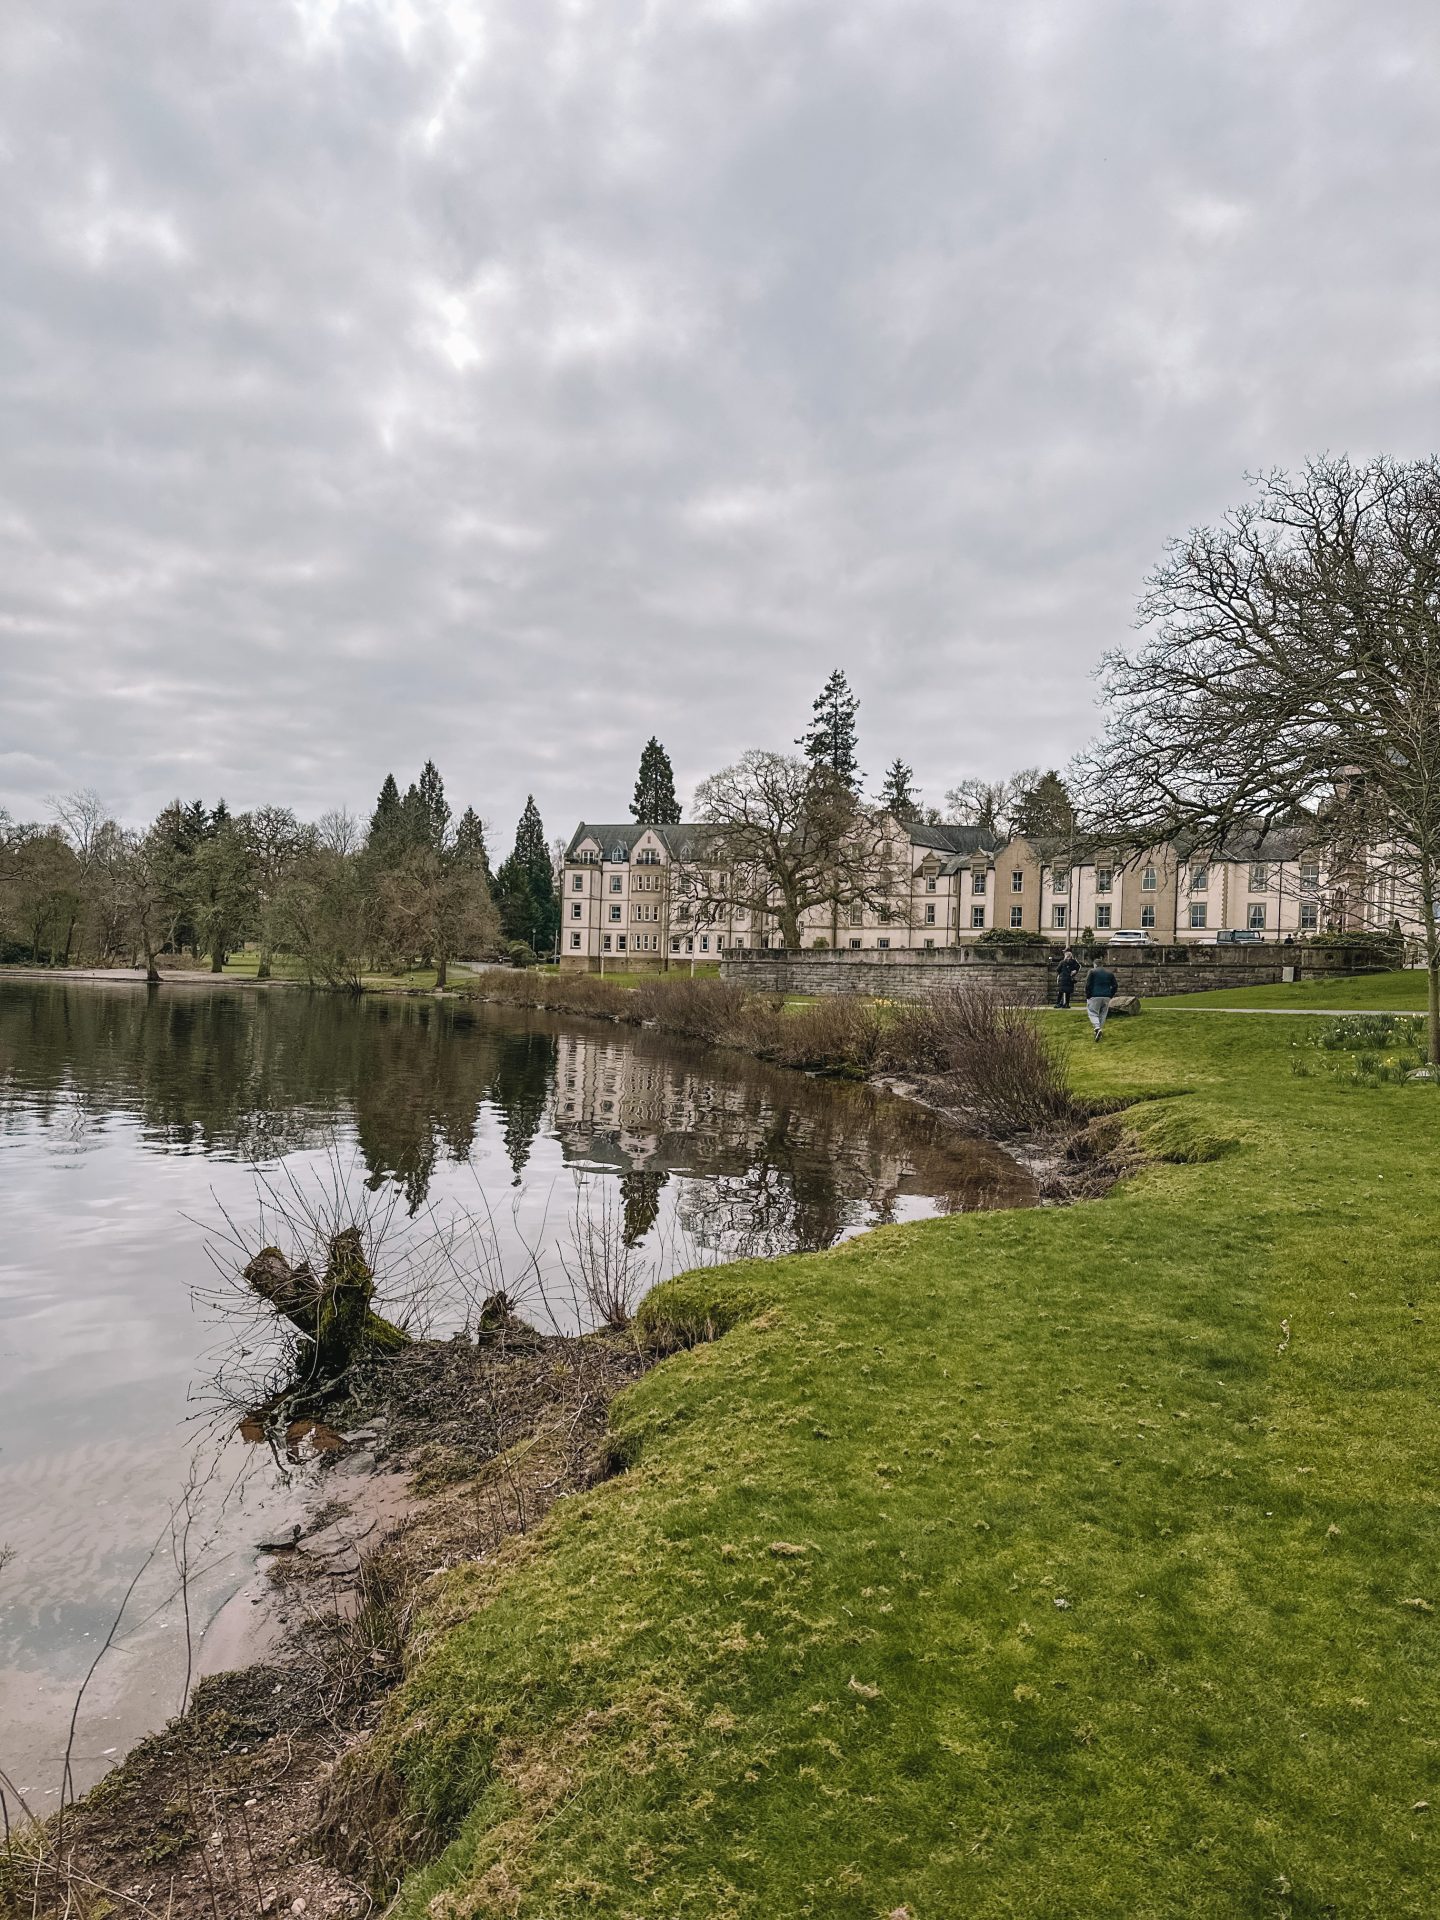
[
  {"x": 1101, "y": 987},
  {"x": 1066, "y": 977}
]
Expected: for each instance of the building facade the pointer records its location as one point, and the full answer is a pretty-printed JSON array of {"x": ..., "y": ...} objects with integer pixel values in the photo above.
[{"x": 625, "y": 905}]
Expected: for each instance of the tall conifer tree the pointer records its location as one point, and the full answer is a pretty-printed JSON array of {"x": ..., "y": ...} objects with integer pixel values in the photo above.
[
  {"x": 654, "y": 804},
  {"x": 832, "y": 739},
  {"x": 385, "y": 822},
  {"x": 898, "y": 795}
]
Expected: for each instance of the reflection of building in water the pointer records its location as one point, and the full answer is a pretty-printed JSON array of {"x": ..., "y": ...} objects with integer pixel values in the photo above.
[{"x": 775, "y": 1161}]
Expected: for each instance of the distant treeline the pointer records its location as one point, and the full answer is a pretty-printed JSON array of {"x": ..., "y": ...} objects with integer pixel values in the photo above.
[{"x": 413, "y": 887}]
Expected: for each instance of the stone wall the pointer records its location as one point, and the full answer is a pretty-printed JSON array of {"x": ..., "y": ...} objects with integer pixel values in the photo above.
[{"x": 909, "y": 973}]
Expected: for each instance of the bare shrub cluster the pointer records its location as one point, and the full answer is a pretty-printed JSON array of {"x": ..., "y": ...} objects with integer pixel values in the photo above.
[{"x": 1005, "y": 1071}]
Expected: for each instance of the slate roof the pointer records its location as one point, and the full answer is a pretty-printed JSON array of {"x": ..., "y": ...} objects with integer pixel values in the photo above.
[
  {"x": 629, "y": 833},
  {"x": 951, "y": 839}
]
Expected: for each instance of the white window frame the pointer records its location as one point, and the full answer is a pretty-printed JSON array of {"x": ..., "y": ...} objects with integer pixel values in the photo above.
[
  {"x": 1102, "y": 914},
  {"x": 1017, "y": 916},
  {"x": 1147, "y": 917}
]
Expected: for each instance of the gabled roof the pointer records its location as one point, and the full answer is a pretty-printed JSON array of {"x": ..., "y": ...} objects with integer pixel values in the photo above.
[{"x": 628, "y": 835}]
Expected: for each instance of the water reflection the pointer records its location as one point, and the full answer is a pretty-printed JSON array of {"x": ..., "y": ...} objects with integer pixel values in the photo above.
[{"x": 127, "y": 1115}]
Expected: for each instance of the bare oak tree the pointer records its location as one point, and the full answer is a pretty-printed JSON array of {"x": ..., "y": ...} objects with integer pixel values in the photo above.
[
  {"x": 783, "y": 838},
  {"x": 1294, "y": 668}
]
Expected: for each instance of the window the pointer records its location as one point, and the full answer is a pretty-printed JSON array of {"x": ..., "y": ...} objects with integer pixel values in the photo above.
[
  {"x": 607, "y": 943},
  {"x": 674, "y": 946},
  {"x": 615, "y": 913},
  {"x": 1198, "y": 912},
  {"x": 1102, "y": 916},
  {"x": 704, "y": 943},
  {"x": 1309, "y": 915},
  {"x": 1147, "y": 916},
  {"x": 574, "y": 939},
  {"x": 1060, "y": 883},
  {"x": 1058, "y": 914},
  {"x": 929, "y": 886},
  {"x": 1149, "y": 880},
  {"x": 647, "y": 858},
  {"x": 577, "y": 884},
  {"x": 575, "y": 911},
  {"x": 857, "y": 915},
  {"x": 620, "y": 941},
  {"x": 1104, "y": 879},
  {"x": 1255, "y": 917},
  {"x": 882, "y": 943},
  {"x": 1259, "y": 877},
  {"x": 977, "y": 916},
  {"x": 884, "y": 917},
  {"x": 1309, "y": 873},
  {"x": 1017, "y": 916},
  {"x": 616, "y": 883},
  {"x": 1199, "y": 881},
  {"x": 977, "y": 880},
  {"x": 930, "y": 945},
  {"x": 617, "y": 853},
  {"x": 854, "y": 944},
  {"x": 1017, "y": 881},
  {"x": 930, "y": 914}
]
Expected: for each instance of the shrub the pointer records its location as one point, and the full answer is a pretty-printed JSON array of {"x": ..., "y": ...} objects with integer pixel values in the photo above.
[{"x": 1007, "y": 1073}]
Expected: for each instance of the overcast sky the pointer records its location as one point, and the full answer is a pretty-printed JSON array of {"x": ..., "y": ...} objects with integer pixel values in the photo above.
[{"x": 505, "y": 380}]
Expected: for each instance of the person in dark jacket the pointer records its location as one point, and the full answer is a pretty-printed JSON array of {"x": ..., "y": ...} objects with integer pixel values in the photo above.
[
  {"x": 1101, "y": 987},
  {"x": 1065, "y": 978}
]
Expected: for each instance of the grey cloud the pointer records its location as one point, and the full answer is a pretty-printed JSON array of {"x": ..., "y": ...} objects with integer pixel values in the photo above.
[{"x": 505, "y": 380}]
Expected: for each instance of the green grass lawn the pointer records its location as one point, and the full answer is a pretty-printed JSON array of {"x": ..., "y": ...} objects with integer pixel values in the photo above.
[
  {"x": 1377, "y": 992},
  {"x": 1075, "y": 1562}
]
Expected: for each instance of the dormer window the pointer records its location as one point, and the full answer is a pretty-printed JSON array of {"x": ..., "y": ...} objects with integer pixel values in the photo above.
[{"x": 617, "y": 852}]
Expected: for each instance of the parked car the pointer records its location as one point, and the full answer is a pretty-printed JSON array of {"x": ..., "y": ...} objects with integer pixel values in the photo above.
[
  {"x": 1128, "y": 937},
  {"x": 1237, "y": 936}
]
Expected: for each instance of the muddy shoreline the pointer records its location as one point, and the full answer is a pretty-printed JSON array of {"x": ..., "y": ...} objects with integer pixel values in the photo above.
[{"x": 452, "y": 1450}]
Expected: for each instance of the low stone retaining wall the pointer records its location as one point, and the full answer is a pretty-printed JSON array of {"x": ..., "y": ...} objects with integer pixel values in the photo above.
[{"x": 909, "y": 973}]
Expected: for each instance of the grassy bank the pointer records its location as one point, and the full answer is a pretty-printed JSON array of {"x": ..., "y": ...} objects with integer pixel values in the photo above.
[
  {"x": 1402, "y": 992},
  {"x": 1056, "y": 1563}
]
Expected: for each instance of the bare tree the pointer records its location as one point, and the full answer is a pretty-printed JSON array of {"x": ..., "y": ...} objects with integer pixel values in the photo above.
[
  {"x": 782, "y": 837},
  {"x": 992, "y": 805},
  {"x": 1294, "y": 664},
  {"x": 273, "y": 837}
]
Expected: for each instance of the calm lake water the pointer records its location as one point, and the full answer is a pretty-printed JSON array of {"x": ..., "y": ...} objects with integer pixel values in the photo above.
[{"x": 131, "y": 1122}]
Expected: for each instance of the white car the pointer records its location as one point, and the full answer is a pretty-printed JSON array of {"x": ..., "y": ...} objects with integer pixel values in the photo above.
[{"x": 1128, "y": 937}]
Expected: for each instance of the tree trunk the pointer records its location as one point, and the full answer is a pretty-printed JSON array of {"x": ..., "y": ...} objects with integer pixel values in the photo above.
[
  {"x": 440, "y": 971},
  {"x": 789, "y": 928},
  {"x": 217, "y": 960},
  {"x": 152, "y": 972},
  {"x": 262, "y": 972}
]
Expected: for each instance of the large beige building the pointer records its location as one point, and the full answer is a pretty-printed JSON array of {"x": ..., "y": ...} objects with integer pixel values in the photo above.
[{"x": 624, "y": 906}]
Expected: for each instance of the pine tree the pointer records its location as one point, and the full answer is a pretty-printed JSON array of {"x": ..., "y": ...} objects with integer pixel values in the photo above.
[
  {"x": 193, "y": 827},
  {"x": 385, "y": 821},
  {"x": 654, "y": 804},
  {"x": 432, "y": 810},
  {"x": 219, "y": 817},
  {"x": 898, "y": 795},
  {"x": 832, "y": 740},
  {"x": 469, "y": 845},
  {"x": 1044, "y": 809},
  {"x": 525, "y": 885}
]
